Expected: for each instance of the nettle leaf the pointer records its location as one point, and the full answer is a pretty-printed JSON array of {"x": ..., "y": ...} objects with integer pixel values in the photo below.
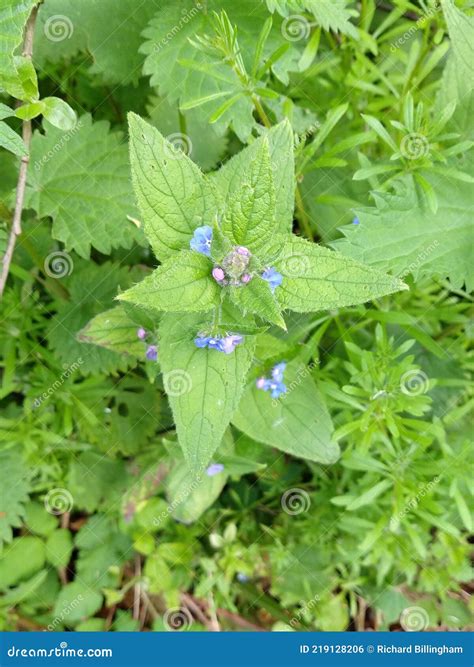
[
  {"x": 15, "y": 478},
  {"x": 257, "y": 297},
  {"x": 13, "y": 17},
  {"x": 114, "y": 330},
  {"x": 82, "y": 180},
  {"x": 280, "y": 146},
  {"x": 401, "y": 233},
  {"x": 66, "y": 27},
  {"x": 297, "y": 422},
  {"x": 171, "y": 191},
  {"x": 330, "y": 14},
  {"x": 249, "y": 208},
  {"x": 203, "y": 386},
  {"x": 183, "y": 283},
  {"x": 316, "y": 278},
  {"x": 457, "y": 80}
]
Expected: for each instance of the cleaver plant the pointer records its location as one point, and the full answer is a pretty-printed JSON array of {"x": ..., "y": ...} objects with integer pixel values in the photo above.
[{"x": 231, "y": 268}]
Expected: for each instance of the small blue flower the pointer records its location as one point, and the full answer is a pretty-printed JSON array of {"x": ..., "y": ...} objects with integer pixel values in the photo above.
[
  {"x": 229, "y": 343},
  {"x": 278, "y": 370},
  {"x": 214, "y": 344},
  {"x": 276, "y": 389},
  {"x": 274, "y": 384},
  {"x": 356, "y": 221},
  {"x": 273, "y": 278},
  {"x": 243, "y": 578},
  {"x": 202, "y": 239},
  {"x": 201, "y": 341},
  {"x": 214, "y": 469},
  {"x": 151, "y": 353}
]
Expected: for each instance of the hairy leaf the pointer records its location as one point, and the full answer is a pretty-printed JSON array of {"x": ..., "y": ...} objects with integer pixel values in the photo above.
[
  {"x": 14, "y": 489},
  {"x": 204, "y": 386}
]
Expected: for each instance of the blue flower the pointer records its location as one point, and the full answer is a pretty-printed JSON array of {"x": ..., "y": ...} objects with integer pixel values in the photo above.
[
  {"x": 243, "y": 578},
  {"x": 356, "y": 221},
  {"x": 229, "y": 343},
  {"x": 201, "y": 341},
  {"x": 214, "y": 469},
  {"x": 274, "y": 384},
  {"x": 151, "y": 353},
  {"x": 273, "y": 278},
  {"x": 202, "y": 239},
  {"x": 226, "y": 344}
]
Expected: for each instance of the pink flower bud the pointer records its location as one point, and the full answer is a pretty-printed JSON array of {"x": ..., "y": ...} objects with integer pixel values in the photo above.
[
  {"x": 218, "y": 274},
  {"x": 246, "y": 278},
  {"x": 241, "y": 250}
]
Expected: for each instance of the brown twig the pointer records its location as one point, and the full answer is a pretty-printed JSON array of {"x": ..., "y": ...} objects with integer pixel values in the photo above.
[
  {"x": 21, "y": 184},
  {"x": 137, "y": 588}
]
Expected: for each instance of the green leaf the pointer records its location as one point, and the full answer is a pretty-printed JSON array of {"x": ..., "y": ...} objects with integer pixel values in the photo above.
[
  {"x": 59, "y": 113},
  {"x": 13, "y": 17},
  {"x": 369, "y": 496},
  {"x": 20, "y": 560},
  {"x": 66, "y": 27},
  {"x": 12, "y": 141},
  {"x": 16, "y": 595},
  {"x": 257, "y": 297},
  {"x": 82, "y": 180},
  {"x": 333, "y": 15},
  {"x": 316, "y": 278},
  {"x": 59, "y": 548},
  {"x": 297, "y": 423},
  {"x": 94, "y": 480},
  {"x": 249, "y": 209},
  {"x": 191, "y": 496},
  {"x": 170, "y": 189},
  {"x": 280, "y": 144},
  {"x": 38, "y": 520},
  {"x": 402, "y": 234},
  {"x": 114, "y": 330},
  {"x": 204, "y": 386},
  {"x": 15, "y": 478},
  {"x": 76, "y": 602},
  {"x": 457, "y": 81},
  {"x": 183, "y": 283}
]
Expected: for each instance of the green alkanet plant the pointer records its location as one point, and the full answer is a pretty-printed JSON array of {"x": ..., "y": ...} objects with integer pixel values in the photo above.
[{"x": 230, "y": 268}]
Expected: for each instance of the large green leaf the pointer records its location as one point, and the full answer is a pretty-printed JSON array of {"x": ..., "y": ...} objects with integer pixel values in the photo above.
[
  {"x": 204, "y": 386},
  {"x": 316, "y": 278},
  {"x": 182, "y": 283},
  {"x": 330, "y": 14},
  {"x": 75, "y": 602},
  {"x": 457, "y": 80},
  {"x": 170, "y": 189},
  {"x": 401, "y": 234},
  {"x": 114, "y": 330},
  {"x": 257, "y": 297},
  {"x": 10, "y": 140},
  {"x": 280, "y": 142},
  {"x": 82, "y": 180},
  {"x": 297, "y": 423},
  {"x": 14, "y": 489},
  {"x": 109, "y": 30}
]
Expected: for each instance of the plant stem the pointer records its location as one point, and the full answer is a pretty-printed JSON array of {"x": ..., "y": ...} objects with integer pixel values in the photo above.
[{"x": 21, "y": 183}]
